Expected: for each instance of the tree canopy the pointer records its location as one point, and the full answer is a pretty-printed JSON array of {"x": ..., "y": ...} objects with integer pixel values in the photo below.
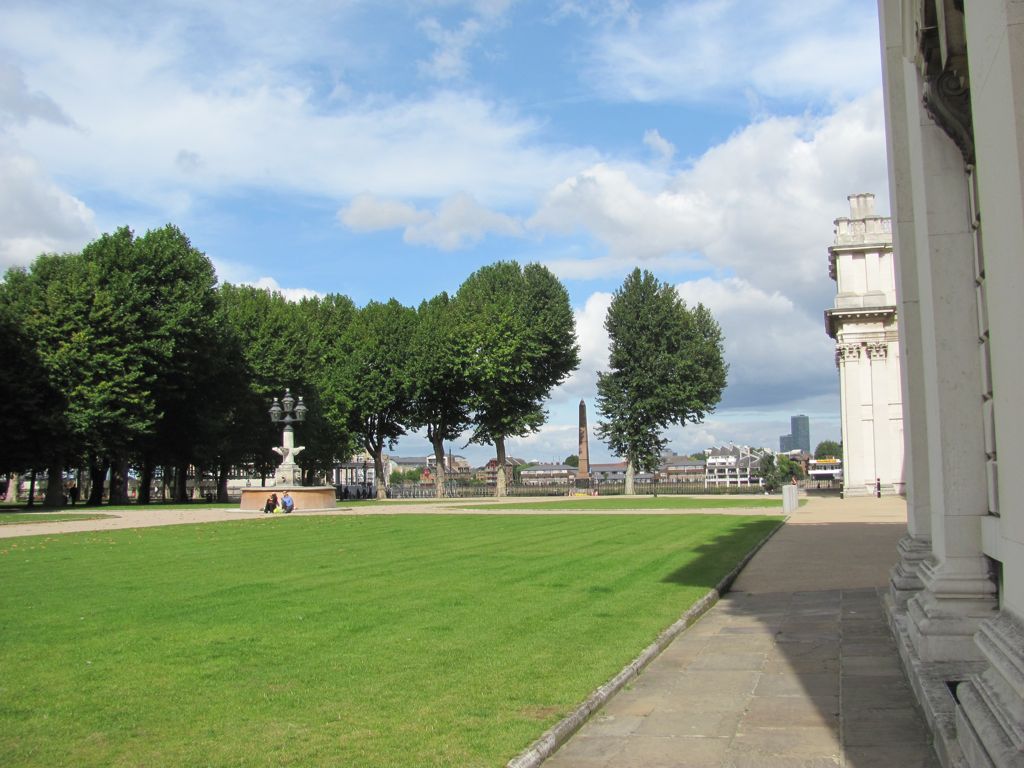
[
  {"x": 128, "y": 359},
  {"x": 665, "y": 365},
  {"x": 828, "y": 449},
  {"x": 517, "y": 336}
]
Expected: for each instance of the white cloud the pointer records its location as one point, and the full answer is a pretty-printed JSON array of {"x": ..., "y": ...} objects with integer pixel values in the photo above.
[
  {"x": 704, "y": 49},
  {"x": 663, "y": 149},
  {"x": 776, "y": 352},
  {"x": 154, "y": 128},
  {"x": 634, "y": 223},
  {"x": 593, "y": 340},
  {"x": 459, "y": 221},
  {"x": 449, "y": 59},
  {"x": 37, "y": 216},
  {"x": 367, "y": 213},
  {"x": 759, "y": 205},
  {"x": 291, "y": 294}
]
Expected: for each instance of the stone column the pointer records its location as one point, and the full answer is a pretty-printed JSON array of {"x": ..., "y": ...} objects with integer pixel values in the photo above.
[
  {"x": 958, "y": 591},
  {"x": 990, "y": 720},
  {"x": 901, "y": 108},
  {"x": 583, "y": 472}
]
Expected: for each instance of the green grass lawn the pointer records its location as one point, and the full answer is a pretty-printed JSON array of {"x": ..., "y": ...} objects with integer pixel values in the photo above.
[
  {"x": 342, "y": 641},
  {"x": 10, "y": 518},
  {"x": 769, "y": 504}
]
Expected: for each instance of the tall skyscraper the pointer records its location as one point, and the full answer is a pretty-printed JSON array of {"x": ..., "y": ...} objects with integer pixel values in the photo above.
[
  {"x": 800, "y": 429},
  {"x": 799, "y": 437}
]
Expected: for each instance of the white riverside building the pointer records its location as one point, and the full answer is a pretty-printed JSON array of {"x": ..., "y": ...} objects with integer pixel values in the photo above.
[
  {"x": 953, "y": 75},
  {"x": 863, "y": 323}
]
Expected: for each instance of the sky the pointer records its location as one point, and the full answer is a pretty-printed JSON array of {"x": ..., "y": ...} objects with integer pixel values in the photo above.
[{"x": 390, "y": 148}]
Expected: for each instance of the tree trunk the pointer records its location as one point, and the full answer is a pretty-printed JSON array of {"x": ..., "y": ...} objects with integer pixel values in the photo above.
[
  {"x": 119, "y": 481},
  {"x": 167, "y": 483},
  {"x": 145, "y": 481},
  {"x": 630, "y": 474},
  {"x": 222, "y": 483},
  {"x": 13, "y": 487},
  {"x": 97, "y": 477},
  {"x": 502, "y": 477},
  {"x": 181, "y": 483},
  {"x": 439, "y": 468},
  {"x": 55, "y": 483},
  {"x": 378, "y": 472},
  {"x": 31, "y": 487}
]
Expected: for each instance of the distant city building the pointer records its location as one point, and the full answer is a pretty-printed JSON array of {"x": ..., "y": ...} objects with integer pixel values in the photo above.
[
  {"x": 735, "y": 465},
  {"x": 799, "y": 437},
  {"x": 547, "y": 474},
  {"x": 863, "y": 323}
]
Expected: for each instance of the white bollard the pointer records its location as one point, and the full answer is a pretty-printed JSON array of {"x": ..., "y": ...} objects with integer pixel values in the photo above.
[{"x": 789, "y": 502}]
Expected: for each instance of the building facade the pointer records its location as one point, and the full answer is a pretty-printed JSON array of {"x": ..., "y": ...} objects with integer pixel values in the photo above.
[
  {"x": 953, "y": 74},
  {"x": 864, "y": 324},
  {"x": 735, "y": 465}
]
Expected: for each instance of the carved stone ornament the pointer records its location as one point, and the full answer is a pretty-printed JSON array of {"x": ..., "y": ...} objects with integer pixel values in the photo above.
[
  {"x": 845, "y": 352},
  {"x": 942, "y": 61},
  {"x": 878, "y": 349}
]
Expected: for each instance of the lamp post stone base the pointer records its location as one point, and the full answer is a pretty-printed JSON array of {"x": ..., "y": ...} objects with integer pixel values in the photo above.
[{"x": 307, "y": 498}]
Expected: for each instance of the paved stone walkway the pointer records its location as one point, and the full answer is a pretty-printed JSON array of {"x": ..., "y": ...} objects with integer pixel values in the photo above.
[{"x": 795, "y": 667}]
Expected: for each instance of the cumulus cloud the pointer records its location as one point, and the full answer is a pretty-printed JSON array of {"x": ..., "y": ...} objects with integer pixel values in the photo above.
[
  {"x": 458, "y": 222},
  {"x": 700, "y": 50},
  {"x": 37, "y": 216},
  {"x": 776, "y": 352},
  {"x": 759, "y": 205}
]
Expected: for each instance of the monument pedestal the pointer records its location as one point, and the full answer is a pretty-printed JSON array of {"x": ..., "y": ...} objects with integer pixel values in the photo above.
[{"x": 306, "y": 498}]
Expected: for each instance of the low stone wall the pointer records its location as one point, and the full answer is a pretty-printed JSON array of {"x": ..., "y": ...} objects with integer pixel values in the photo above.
[{"x": 305, "y": 497}]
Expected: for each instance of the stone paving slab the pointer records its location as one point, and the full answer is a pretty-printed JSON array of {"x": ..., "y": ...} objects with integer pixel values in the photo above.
[{"x": 796, "y": 667}]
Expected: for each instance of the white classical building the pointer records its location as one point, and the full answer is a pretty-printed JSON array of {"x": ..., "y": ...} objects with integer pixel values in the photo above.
[
  {"x": 863, "y": 323},
  {"x": 954, "y": 103}
]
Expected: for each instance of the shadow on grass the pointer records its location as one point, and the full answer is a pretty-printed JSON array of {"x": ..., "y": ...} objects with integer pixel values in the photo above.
[{"x": 715, "y": 558}]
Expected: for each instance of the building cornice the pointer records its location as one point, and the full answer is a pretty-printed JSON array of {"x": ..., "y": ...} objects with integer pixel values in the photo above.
[{"x": 838, "y": 315}]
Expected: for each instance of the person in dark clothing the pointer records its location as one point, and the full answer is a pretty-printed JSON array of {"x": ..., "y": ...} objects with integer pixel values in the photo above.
[{"x": 271, "y": 504}]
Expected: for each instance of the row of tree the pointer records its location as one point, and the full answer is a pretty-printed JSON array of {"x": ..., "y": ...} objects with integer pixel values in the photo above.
[{"x": 129, "y": 356}]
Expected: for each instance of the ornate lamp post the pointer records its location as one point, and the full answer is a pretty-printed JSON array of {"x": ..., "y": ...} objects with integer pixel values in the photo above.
[{"x": 288, "y": 411}]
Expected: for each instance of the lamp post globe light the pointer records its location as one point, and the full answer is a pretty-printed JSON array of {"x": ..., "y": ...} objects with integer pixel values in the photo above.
[{"x": 287, "y": 411}]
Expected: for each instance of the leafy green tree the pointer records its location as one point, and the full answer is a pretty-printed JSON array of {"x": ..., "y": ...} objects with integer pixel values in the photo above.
[
  {"x": 376, "y": 351},
  {"x": 170, "y": 288},
  {"x": 666, "y": 367},
  {"x": 828, "y": 449},
  {"x": 31, "y": 409},
  {"x": 439, "y": 387},
  {"x": 518, "y": 337},
  {"x": 272, "y": 344},
  {"x": 572, "y": 460},
  {"x": 776, "y": 470}
]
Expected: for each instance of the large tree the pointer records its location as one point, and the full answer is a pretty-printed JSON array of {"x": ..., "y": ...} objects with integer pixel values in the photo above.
[
  {"x": 518, "y": 336},
  {"x": 376, "y": 351},
  {"x": 828, "y": 449},
  {"x": 439, "y": 386},
  {"x": 665, "y": 367}
]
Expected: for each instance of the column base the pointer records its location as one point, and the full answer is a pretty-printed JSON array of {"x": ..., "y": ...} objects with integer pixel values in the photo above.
[
  {"x": 942, "y": 618},
  {"x": 904, "y": 579}
]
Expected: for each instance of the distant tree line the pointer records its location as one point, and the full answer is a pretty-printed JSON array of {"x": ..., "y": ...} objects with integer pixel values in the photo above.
[{"x": 128, "y": 357}]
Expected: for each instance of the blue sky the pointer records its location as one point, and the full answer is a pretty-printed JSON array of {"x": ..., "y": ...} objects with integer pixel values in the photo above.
[{"x": 383, "y": 149}]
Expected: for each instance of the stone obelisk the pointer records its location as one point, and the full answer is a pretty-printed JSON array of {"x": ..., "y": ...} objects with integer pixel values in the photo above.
[{"x": 583, "y": 472}]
